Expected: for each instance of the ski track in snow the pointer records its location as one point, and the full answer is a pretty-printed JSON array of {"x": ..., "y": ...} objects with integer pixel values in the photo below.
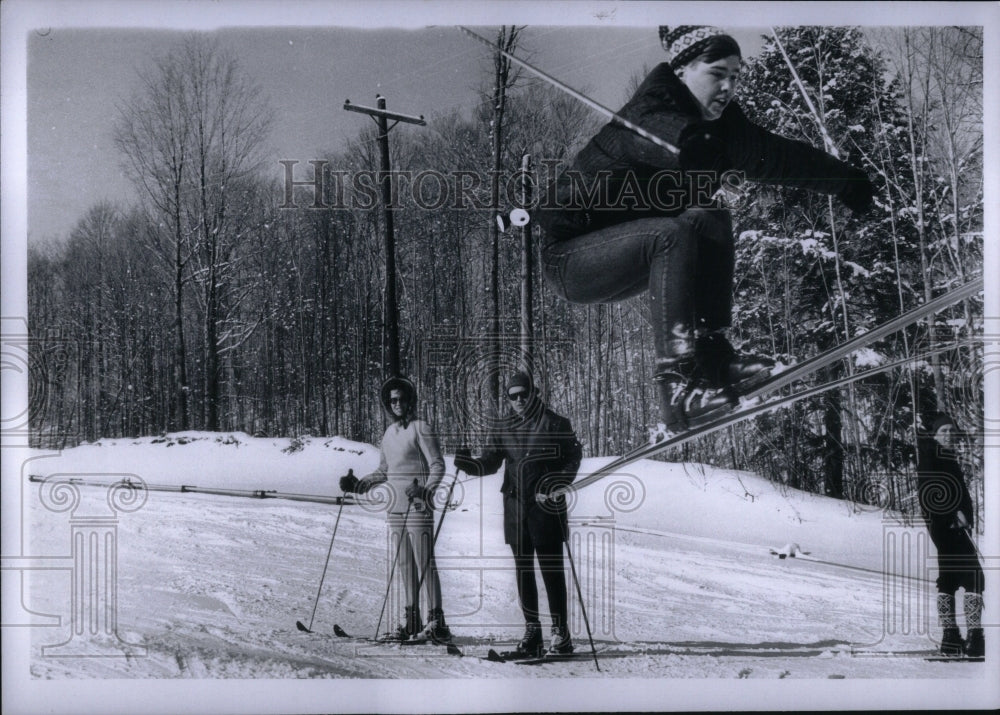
[{"x": 211, "y": 586}]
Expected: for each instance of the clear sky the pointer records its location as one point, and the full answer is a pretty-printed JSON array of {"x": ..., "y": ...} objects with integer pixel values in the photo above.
[{"x": 77, "y": 79}]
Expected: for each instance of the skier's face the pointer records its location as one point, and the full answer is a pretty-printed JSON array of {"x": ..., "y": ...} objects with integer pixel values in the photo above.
[
  {"x": 397, "y": 401},
  {"x": 519, "y": 397},
  {"x": 713, "y": 84},
  {"x": 945, "y": 436}
]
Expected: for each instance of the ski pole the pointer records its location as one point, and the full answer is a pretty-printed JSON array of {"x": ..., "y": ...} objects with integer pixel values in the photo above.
[
  {"x": 326, "y": 564},
  {"x": 437, "y": 531},
  {"x": 392, "y": 568},
  {"x": 452, "y": 649},
  {"x": 830, "y": 146},
  {"x": 579, "y": 595}
]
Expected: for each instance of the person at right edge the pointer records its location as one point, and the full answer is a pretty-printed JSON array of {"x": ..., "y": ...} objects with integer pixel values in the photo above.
[
  {"x": 946, "y": 506},
  {"x": 661, "y": 232},
  {"x": 542, "y": 454}
]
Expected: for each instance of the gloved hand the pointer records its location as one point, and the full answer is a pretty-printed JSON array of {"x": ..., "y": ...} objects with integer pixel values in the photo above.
[
  {"x": 415, "y": 491},
  {"x": 349, "y": 483},
  {"x": 858, "y": 193},
  {"x": 465, "y": 462}
]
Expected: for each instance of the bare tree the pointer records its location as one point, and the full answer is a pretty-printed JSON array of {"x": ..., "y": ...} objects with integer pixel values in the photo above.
[
  {"x": 152, "y": 133},
  {"x": 192, "y": 137}
]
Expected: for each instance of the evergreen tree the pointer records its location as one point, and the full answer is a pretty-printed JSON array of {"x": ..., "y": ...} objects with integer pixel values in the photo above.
[{"x": 811, "y": 274}]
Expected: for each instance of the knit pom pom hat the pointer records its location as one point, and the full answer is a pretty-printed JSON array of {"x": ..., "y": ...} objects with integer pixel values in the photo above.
[{"x": 685, "y": 42}]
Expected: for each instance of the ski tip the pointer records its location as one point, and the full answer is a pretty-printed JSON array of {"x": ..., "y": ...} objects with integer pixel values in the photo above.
[
  {"x": 301, "y": 627},
  {"x": 454, "y": 650},
  {"x": 339, "y": 632}
]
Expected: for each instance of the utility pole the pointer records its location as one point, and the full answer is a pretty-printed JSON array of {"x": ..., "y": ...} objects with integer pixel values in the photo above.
[
  {"x": 390, "y": 353},
  {"x": 527, "y": 293}
]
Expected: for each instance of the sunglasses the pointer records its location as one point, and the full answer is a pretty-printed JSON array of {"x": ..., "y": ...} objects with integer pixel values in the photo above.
[
  {"x": 517, "y": 396},
  {"x": 397, "y": 400}
]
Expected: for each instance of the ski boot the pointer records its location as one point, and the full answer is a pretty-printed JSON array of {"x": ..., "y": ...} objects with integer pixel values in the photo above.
[
  {"x": 397, "y": 636},
  {"x": 951, "y": 639},
  {"x": 408, "y": 629},
  {"x": 686, "y": 398},
  {"x": 975, "y": 646},
  {"x": 531, "y": 645},
  {"x": 561, "y": 642},
  {"x": 413, "y": 623},
  {"x": 951, "y": 642},
  {"x": 686, "y": 401},
  {"x": 436, "y": 629},
  {"x": 721, "y": 366}
]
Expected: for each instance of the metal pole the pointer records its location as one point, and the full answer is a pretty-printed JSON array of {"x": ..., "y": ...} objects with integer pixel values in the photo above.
[
  {"x": 326, "y": 564},
  {"x": 583, "y": 607},
  {"x": 527, "y": 247}
]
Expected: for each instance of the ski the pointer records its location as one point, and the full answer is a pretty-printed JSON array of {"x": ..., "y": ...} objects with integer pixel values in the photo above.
[
  {"x": 522, "y": 658},
  {"x": 451, "y": 648},
  {"x": 956, "y": 658},
  {"x": 793, "y": 374},
  {"x": 506, "y": 656},
  {"x": 827, "y": 357},
  {"x": 341, "y": 633},
  {"x": 554, "y": 658},
  {"x": 735, "y": 417}
]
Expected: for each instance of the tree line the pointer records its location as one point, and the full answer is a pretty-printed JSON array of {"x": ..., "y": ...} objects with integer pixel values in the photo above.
[{"x": 210, "y": 304}]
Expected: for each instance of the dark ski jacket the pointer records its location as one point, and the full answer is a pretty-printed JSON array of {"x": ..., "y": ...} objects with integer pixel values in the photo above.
[
  {"x": 541, "y": 453},
  {"x": 644, "y": 180},
  {"x": 941, "y": 488}
]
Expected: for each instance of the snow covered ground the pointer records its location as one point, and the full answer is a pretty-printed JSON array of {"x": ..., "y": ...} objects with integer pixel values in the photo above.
[{"x": 675, "y": 562}]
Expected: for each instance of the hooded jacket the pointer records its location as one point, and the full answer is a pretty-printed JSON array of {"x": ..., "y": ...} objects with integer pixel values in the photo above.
[
  {"x": 409, "y": 450},
  {"x": 640, "y": 179}
]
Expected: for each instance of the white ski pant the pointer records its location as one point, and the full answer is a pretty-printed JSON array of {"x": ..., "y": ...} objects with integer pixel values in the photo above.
[{"x": 416, "y": 554}]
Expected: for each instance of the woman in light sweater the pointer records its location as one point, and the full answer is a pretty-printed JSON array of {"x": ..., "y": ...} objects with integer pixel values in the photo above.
[{"x": 410, "y": 469}]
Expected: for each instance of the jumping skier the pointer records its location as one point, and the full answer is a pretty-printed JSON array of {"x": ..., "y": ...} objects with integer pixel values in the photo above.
[
  {"x": 411, "y": 467},
  {"x": 946, "y": 506},
  {"x": 541, "y": 453},
  {"x": 631, "y": 217}
]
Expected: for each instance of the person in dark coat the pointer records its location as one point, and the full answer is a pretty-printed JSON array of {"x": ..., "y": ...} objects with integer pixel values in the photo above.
[
  {"x": 946, "y": 506},
  {"x": 541, "y": 454},
  {"x": 632, "y": 218}
]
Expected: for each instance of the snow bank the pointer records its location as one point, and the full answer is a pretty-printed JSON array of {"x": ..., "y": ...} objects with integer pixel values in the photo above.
[{"x": 691, "y": 500}]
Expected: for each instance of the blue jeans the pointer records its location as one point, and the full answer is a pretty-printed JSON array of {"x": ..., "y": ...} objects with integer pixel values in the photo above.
[{"x": 685, "y": 263}]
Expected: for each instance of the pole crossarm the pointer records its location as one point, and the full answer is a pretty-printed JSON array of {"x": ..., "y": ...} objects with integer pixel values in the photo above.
[
  {"x": 380, "y": 115},
  {"x": 375, "y": 112}
]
